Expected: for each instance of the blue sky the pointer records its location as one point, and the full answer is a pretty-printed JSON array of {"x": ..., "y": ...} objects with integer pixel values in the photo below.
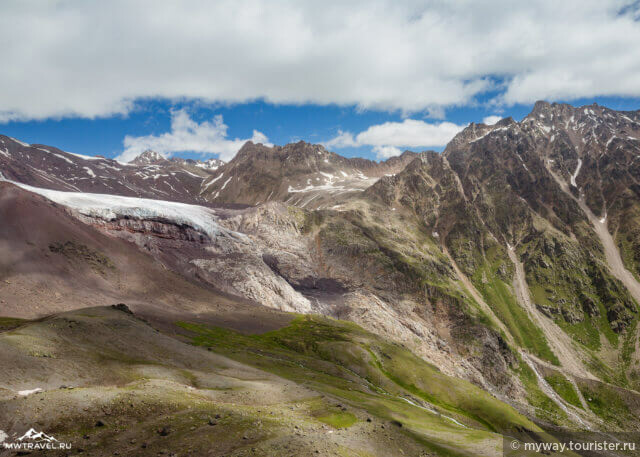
[
  {"x": 368, "y": 78},
  {"x": 280, "y": 123}
]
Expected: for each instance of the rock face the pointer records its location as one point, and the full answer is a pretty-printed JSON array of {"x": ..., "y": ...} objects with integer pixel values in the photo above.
[
  {"x": 528, "y": 179},
  {"x": 518, "y": 243},
  {"x": 303, "y": 174},
  {"x": 149, "y": 157}
]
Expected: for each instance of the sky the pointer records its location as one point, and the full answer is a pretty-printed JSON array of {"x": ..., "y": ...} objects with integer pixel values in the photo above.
[{"x": 368, "y": 78}]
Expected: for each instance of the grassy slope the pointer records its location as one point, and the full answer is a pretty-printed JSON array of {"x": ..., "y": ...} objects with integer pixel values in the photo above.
[
  {"x": 611, "y": 404},
  {"x": 564, "y": 388},
  {"x": 545, "y": 407},
  {"x": 142, "y": 382},
  {"x": 344, "y": 360},
  {"x": 498, "y": 293}
]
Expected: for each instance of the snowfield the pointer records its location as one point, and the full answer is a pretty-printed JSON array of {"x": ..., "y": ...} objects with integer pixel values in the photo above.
[{"x": 110, "y": 207}]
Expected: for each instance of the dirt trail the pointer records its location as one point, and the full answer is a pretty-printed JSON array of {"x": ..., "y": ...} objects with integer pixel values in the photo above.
[
  {"x": 560, "y": 342},
  {"x": 477, "y": 296}
]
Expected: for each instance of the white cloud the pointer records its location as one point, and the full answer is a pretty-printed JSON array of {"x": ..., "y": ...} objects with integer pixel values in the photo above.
[
  {"x": 208, "y": 137},
  {"x": 384, "y": 152},
  {"x": 342, "y": 140},
  {"x": 490, "y": 120},
  {"x": 93, "y": 58},
  {"x": 410, "y": 132},
  {"x": 387, "y": 138}
]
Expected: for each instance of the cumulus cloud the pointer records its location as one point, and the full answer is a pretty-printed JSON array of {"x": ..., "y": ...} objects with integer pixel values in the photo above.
[
  {"x": 384, "y": 152},
  {"x": 342, "y": 140},
  {"x": 490, "y": 120},
  {"x": 387, "y": 138},
  {"x": 93, "y": 58},
  {"x": 187, "y": 135}
]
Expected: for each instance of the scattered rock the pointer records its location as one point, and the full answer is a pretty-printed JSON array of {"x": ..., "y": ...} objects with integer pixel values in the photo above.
[
  {"x": 547, "y": 310},
  {"x": 571, "y": 316},
  {"x": 122, "y": 307},
  {"x": 164, "y": 431}
]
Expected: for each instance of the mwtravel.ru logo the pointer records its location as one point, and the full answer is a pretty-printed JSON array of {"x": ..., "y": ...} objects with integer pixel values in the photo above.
[{"x": 32, "y": 440}]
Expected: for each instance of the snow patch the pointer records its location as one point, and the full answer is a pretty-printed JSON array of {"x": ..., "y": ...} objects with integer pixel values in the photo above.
[
  {"x": 211, "y": 182},
  {"x": 26, "y": 145},
  {"x": 24, "y": 393},
  {"x": 226, "y": 182},
  {"x": 83, "y": 157},
  {"x": 192, "y": 174},
  {"x": 575, "y": 174}
]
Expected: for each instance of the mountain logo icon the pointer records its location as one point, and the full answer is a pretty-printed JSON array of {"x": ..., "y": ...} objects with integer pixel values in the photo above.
[{"x": 34, "y": 435}]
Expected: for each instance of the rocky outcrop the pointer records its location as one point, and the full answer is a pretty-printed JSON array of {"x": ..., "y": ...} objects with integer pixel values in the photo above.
[{"x": 302, "y": 174}]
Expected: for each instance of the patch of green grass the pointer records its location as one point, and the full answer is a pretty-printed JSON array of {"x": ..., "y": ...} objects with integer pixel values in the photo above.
[
  {"x": 600, "y": 369},
  {"x": 9, "y": 323},
  {"x": 564, "y": 388},
  {"x": 589, "y": 331},
  {"x": 338, "y": 419},
  {"x": 606, "y": 402}
]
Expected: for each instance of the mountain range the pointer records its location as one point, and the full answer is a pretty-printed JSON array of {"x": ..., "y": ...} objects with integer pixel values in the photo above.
[{"x": 433, "y": 302}]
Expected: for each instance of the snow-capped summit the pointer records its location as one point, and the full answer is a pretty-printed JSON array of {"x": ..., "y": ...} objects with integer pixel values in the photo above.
[
  {"x": 149, "y": 157},
  {"x": 149, "y": 176},
  {"x": 211, "y": 164}
]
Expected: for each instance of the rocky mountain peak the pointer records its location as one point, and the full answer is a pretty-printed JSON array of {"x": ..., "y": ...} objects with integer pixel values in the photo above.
[
  {"x": 505, "y": 122},
  {"x": 541, "y": 107},
  {"x": 149, "y": 157}
]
